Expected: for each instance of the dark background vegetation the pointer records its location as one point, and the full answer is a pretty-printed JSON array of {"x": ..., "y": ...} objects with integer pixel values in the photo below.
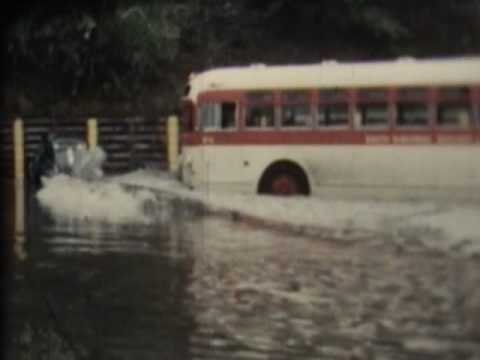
[{"x": 134, "y": 56}]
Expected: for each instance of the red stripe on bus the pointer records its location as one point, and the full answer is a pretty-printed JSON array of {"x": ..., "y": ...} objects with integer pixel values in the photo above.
[{"x": 347, "y": 137}]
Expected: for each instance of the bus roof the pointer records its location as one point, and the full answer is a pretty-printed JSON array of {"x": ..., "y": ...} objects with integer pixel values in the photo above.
[{"x": 400, "y": 72}]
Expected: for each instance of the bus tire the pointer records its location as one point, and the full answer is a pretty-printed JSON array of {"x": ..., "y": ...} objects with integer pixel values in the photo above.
[{"x": 284, "y": 178}]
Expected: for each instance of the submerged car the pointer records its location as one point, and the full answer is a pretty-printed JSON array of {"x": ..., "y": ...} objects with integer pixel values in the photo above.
[{"x": 70, "y": 156}]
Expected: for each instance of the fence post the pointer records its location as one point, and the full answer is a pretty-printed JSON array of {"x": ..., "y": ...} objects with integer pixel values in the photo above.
[
  {"x": 92, "y": 133},
  {"x": 172, "y": 142},
  {"x": 19, "y": 175},
  {"x": 18, "y": 149}
]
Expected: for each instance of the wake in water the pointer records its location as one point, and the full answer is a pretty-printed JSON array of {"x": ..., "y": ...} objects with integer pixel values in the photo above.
[
  {"x": 137, "y": 198},
  {"x": 66, "y": 197}
]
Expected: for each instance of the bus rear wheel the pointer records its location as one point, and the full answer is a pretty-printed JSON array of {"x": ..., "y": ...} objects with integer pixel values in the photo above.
[
  {"x": 284, "y": 179},
  {"x": 284, "y": 184}
]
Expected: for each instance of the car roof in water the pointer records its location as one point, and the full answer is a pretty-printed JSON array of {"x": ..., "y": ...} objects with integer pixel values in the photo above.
[{"x": 64, "y": 141}]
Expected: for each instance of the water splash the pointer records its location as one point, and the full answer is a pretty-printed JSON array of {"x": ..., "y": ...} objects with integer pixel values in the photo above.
[{"x": 72, "y": 198}]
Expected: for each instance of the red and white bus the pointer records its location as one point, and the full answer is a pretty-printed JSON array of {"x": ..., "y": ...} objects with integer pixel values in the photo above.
[{"x": 384, "y": 128}]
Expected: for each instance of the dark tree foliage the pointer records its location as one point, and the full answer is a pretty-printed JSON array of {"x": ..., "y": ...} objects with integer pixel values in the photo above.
[{"x": 142, "y": 51}]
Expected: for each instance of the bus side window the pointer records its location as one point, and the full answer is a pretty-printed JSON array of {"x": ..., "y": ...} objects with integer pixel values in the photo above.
[
  {"x": 296, "y": 115},
  {"x": 333, "y": 115},
  {"x": 206, "y": 116},
  {"x": 218, "y": 116},
  {"x": 374, "y": 115},
  {"x": 412, "y": 114},
  {"x": 373, "y": 107},
  {"x": 228, "y": 116},
  {"x": 454, "y": 116},
  {"x": 295, "y": 109},
  {"x": 260, "y": 111},
  {"x": 260, "y": 116},
  {"x": 454, "y": 110}
]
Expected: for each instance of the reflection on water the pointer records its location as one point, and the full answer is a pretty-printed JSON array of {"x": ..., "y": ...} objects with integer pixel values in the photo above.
[
  {"x": 19, "y": 219},
  {"x": 87, "y": 290}
]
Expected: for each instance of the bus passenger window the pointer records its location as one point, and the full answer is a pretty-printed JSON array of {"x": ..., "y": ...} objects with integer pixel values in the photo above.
[
  {"x": 228, "y": 115},
  {"x": 454, "y": 115},
  {"x": 333, "y": 115},
  {"x": 260, "y": 116},
  {"x": 218, "y": 116},
  {"x": 374, "y": 115},
  {"x": 296, "y": 115},
  {"x": 207, "y": 116},
  {"x": 412, "y": 114}
]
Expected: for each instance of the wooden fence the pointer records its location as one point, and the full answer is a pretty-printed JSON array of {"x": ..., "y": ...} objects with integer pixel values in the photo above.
[
  {"x": 6, "y": 148},
  {"x": 129, "y": 143}
]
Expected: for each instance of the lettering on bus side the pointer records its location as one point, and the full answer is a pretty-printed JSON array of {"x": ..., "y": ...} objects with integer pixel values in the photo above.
[
  {"x": 454, "y": 139},
  {"x": 208, "y": 140},
  {"x": 411, "y": 139},
  {"x": 377, "y": 139}
]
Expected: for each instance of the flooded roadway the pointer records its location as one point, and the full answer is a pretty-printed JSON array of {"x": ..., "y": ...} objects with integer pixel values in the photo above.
[
  {"x": 193, "y": 286},
  {"x": 94, "y": 291}
]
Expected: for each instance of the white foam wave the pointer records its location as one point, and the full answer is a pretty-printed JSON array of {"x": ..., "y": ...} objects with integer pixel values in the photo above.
[
  {"x": 437, "y": 224},
  {"x": 72, "y": 198}
]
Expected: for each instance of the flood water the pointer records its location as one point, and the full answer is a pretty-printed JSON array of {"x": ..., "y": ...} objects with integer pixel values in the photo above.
[
  {"x": 81, "y": 290},
  {"x": 190, "y": 285},
  {"x": 86, "y": 289}
]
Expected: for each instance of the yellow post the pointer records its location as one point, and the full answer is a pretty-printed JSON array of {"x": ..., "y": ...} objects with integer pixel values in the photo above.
[
  {"x": 172, "y": 142},
  {"x": 18, "y": 149},
  {"x": 19, "y": 174},
  {"x": 92, "y": 133}
]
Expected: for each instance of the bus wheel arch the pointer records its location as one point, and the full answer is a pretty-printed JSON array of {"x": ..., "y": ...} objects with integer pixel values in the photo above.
[{"x": 284, "y": 177}]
